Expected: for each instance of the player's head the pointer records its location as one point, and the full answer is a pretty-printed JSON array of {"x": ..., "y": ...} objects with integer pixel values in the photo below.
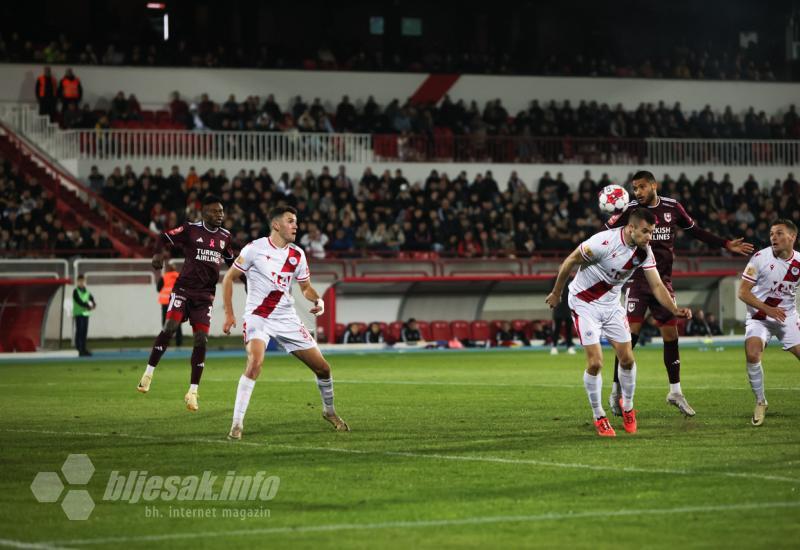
[
  {"x": 641, "y": 223},
  {"x": 283, "y": 221},
  {"x": 213, "y": 212},
  {"x": 644, "y": 187},
  {"x": 80, "y": 280},
  {"x": 782, "y": 235}
]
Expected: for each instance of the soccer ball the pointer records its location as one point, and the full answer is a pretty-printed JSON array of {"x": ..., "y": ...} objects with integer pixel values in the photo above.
[{"x": 612, "y": 198}]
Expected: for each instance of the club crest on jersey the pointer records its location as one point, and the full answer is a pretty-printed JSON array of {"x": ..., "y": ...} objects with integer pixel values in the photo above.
[
  {"x": 293, "y": 260},
  {"x": 668, "y": 216},
  {"x": 795, "y": 271},
  {"x": 636, "y": 260},
  {"x": 222, "y": 244},
  {"x": 631, "y": 306}
]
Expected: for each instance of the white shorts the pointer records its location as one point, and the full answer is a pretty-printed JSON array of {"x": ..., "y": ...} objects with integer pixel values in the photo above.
[
  {"x": 787, "y": 332},
  {"x": 593, "y": 321},
  {"x": 288, "y": 332}
]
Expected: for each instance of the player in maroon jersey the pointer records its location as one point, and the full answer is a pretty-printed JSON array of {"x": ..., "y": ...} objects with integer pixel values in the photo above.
[
  {"x": 670, "y": 215},
  {"x": 205, "y": 244}
]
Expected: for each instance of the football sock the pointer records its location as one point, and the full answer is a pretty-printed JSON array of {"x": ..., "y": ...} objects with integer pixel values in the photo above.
[
  {"x": 615, "y": 387},
  {"x": 672, "y": 360},
  {"x": 325, "y": 386},
  {"x": 627, "y": 380},
  {"x": 159, "y": 347},
  {"x": 193, "y": 387},
  {"x": 150, "y": 370},
  {"x": 675, "y": 388},
  {"x": 594, "y": 387},
  {"x": 198, "y": 362},
  {"x": 755, "y": 373},
  {"x": 243, "y": 393}
]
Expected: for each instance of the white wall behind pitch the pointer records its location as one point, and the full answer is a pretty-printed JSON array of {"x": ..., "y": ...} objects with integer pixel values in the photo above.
[{"x": 152, "y": 87}]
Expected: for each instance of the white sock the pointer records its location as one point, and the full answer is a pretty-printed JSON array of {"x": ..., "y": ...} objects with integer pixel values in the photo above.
[
  {"x": 149, "y": 370},
  {"x": 627, "y": 382},
  {"x": 325, "y": 386},
  {"x": 243, "y": 393},
  {"x": 675, "y": 388},
  {"x": 755, "y": 373},
  {"x": 193, "y": 388},
  {"x": 594, "y": 389}
]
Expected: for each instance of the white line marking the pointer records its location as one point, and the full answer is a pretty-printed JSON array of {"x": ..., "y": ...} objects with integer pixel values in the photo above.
[
  {"x": 481, "y": 520},
  {"x": 9, "y": 543},
  {"x": 429, "y": 456}
]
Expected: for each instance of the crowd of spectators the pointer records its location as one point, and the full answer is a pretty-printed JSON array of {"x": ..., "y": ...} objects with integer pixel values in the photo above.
[
  {"x": 30, "y": 224},
  {"x": 682, "y": 62},
  {"x": 588, "y": 119},
  {"x": 468, "y": 216}
]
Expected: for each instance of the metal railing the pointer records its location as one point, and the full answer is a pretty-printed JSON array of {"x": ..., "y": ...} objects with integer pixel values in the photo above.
[{"x": 99, "y": 144}]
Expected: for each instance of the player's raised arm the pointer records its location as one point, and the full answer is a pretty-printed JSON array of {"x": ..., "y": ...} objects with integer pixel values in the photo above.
[
  {"x": 662, "y": 294},
  {"x": 576, "y": 258},
  {"x": 227, "y": 295},
  {"x": 746, "y": 295}
]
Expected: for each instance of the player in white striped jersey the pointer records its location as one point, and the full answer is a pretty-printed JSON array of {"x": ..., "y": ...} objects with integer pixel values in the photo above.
[
  {"x": 271, "y": 264},
  {"x": 605, "y": 262},
  {"x": 769, "y": 288}
]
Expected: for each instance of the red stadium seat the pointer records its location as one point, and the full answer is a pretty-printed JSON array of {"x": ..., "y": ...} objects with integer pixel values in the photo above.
[
  {"x": 148, "y": 116},
  {"x": 394, "y": 332},
  {"x": 440, "y": 330},
  {"x": 424, "y": 330},
  {"x": 163, "y": 116},
  {"x": 460, "y": 330},
  {"x": 340, "y": 328},
  {"x": 479, "y": 331},
  {"x": 523, "y": 326},
  {"x": 23, "y": 343}
]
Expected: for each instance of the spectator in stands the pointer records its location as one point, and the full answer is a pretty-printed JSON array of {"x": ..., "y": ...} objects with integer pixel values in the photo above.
[
  {"x": 508, "y": 337},
  {"x": 314, "y": 242},
  {"x": 72, "y": 117},
  {"x": 179, "y": 110},
  {"x": 698, "y": 325},
  {"x": 375, "y": 334},
  {"x": 410, "y": 333},
  {"x": 70, "y": 90},
  {"x": 713, "y": 325},
  {"x": 82, "y": 304},
  {"x": 47, "y": 93},
  {"x": 353, "y": 334}
]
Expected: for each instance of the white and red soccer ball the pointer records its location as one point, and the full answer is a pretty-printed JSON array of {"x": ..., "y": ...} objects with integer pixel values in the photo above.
[{"x": 613, "y": 198}]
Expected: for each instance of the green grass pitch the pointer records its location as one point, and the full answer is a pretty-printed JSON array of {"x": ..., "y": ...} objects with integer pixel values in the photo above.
[{"x": 448, "y": 450}]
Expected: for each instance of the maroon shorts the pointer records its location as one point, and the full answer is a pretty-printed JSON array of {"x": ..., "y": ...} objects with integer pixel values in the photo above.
[
  {"x": 639, "y": 298},
  {"x": 196, "y": 306}
]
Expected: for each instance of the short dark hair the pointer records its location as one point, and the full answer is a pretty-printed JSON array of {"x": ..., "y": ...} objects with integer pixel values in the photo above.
[
  {"x": 279, "y": 211},
  {"x": 211, "y": 199},
  {"x": 644, "y": 175},
  {"x": 640, "y": 214},
  {"x": 790, "y": 225},
  {"x": 80, "y": 276}
]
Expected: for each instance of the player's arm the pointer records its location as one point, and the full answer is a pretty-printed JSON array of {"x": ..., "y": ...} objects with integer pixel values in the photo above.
[
  {"x": 227, "y": 296},
  {"x": 746, "y": 295},
  {"x": 166, "y": 240},
  {"x": 575, "y": 259},
  {"x": 662, "y": 294},
  {"x": 685, "y": 222},
  {"x": 310, "y": 294}
]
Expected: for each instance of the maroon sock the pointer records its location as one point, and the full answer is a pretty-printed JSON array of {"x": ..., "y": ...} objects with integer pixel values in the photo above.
[
  {"x": 198, "y": 362},
  {"x": 159, "y": 347},
  {"x": 672, "y": 360},
  {"x": 634, "y": 339}
]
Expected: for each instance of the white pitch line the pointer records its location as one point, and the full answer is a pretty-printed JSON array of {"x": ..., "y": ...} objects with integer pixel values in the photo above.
[
  {"x": 480, "y": 520},
  {"x": 430, "y": 456},
  {"x": 9, "y": 543},
  {"x": 487, "y": 384}
]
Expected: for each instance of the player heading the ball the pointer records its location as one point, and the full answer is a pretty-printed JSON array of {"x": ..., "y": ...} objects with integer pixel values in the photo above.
[{"x": 605, "y": 262}]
